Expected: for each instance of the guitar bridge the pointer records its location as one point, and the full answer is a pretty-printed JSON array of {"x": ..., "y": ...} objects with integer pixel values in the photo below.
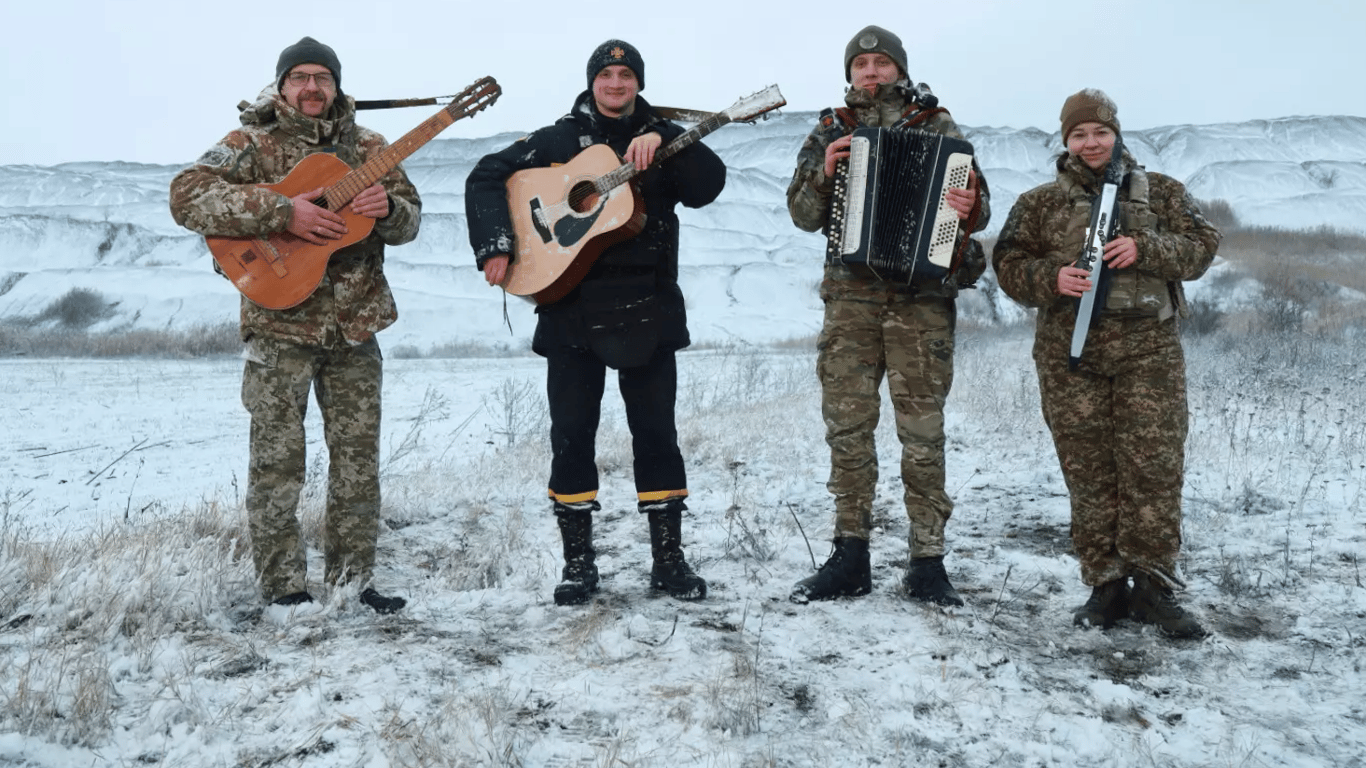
[{"x": 539, "y": 221}]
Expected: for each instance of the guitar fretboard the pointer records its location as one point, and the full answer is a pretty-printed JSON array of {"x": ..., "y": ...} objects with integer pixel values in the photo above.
[
  {"x": 469, "y": 101},
  {"x": 627, "y": 171}
]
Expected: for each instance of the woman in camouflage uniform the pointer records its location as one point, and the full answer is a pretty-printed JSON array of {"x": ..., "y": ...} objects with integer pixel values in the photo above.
[
  {"x": 875, "y": 328},
  {"x": 1119, "y": 419}
]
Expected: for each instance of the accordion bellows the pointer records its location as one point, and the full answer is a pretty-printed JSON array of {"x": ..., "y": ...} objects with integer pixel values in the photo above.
[{"x": 889, "y": 212}]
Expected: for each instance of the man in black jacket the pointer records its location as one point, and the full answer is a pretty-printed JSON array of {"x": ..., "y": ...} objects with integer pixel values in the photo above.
[{"x": 627, "y": 313}]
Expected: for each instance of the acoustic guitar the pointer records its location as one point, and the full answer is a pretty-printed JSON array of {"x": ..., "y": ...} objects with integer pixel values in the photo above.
[
  {"x": 281, "y": 270},
  {"x": 564, "y": 217}
]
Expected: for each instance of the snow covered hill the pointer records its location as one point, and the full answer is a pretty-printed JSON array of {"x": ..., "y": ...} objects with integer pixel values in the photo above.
[{"x": 105, "y": 226}]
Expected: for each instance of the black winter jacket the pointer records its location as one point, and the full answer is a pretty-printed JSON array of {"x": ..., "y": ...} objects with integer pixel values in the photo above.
[{"x": 629, "y": 304}]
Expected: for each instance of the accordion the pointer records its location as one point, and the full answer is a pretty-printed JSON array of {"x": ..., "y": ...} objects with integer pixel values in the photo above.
[{"x": 889, "y": 213}]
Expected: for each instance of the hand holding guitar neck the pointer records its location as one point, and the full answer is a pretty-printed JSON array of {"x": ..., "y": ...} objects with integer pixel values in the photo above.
[{"x": 642, "y": 150}]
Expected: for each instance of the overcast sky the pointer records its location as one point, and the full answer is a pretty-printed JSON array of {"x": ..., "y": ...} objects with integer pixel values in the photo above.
[{"x": 158, "y": 82}]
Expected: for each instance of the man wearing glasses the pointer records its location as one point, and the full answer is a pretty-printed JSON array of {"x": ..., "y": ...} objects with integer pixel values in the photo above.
[{"x": 327, "y": 342}]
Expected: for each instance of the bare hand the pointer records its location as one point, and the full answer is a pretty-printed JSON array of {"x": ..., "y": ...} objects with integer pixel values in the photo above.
[
  {"x": 372, "y": 202},
  {"x": 1121, "y": 252},
  {"x": 496, "y": 269},
  {"x": 313, "y": 223},
  {"x": 962, "y": 200},
  {"x": 1072, "y": 281},
  {"x": 836, "y": 151},
  {"x": 642, "y": 150}
]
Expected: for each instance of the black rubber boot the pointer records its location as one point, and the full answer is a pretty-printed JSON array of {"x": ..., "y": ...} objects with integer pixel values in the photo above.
[
  {"x": 671, "y": 572},
  {"x": 381, "y": 604},
  {"x": 1108, "y": 603},
  {"x": 926, "y": 581},
  {"x": 846, "y": 574},
  {"x": 579, "y": 578},
  {"x": 293, "y": 598},
  {"x": 1153, "y": 603}
]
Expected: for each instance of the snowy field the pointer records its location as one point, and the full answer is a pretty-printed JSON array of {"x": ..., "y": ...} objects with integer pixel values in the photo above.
[{"x": 131, "y": 634}]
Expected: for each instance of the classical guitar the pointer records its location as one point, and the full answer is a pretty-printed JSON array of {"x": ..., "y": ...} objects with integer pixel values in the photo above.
[
  {"x": 280, "y": 270},
  {"x": 564, "y": 217}
]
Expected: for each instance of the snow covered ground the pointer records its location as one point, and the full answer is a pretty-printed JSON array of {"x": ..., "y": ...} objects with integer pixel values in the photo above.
[{"x": 130, "y": 632}]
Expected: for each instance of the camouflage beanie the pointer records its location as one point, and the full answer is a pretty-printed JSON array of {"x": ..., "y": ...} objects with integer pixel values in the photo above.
[
  {"x": 307, "y": 51},
  {"x": 1089, "y": 105},
  {"x": 616, "y": 52},
  {"x": 874, "y": 39}
]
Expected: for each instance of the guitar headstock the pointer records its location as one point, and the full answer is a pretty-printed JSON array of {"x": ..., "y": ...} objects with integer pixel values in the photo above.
[
  {"x": 479, "y": 96},
  {"x": 752, "y": 106}
]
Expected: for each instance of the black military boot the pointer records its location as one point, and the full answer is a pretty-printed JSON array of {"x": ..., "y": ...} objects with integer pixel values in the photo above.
[
  {"x": 926, "y": 581},
  {"x": 1152, "y": 602},
  {"x": 671, "y": 572},
  {"x": 293, "y": 598},
  {"x": 381, "y": 603},
  {"x": 846, "y": 574},
  {"x": 579, "y": 578},
  {"x": 1108, "y": 603}
]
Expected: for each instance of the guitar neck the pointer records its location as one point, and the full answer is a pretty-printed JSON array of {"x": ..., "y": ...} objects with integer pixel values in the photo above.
[
  {"x": 627, "y": 171},
  {"x": 374, "y": 169}
]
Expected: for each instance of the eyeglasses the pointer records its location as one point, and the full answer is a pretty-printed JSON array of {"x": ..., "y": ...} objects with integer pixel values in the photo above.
[{"x": 323, "y": 79}]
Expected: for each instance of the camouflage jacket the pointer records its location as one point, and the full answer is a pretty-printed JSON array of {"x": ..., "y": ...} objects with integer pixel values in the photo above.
[
  {"x": 220, "y": 195},
  {"x": 808, "y": 195},
  {"x": 1046, "y": 227}
]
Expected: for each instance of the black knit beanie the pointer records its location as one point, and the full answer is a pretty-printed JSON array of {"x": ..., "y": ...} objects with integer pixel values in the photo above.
[
  {"x": 616, "y": 52},
  {"x": 307, "y": 51}
]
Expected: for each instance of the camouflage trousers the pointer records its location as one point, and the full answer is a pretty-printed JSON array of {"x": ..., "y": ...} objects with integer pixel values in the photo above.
[
  {"x": 1119, "y": 425},
  {"x": 909, "y": 341},
  {"x": 275, "y": 386}
]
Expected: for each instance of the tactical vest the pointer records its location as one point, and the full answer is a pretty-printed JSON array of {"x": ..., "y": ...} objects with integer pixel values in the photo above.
[{"x": 1132, "y": 293}]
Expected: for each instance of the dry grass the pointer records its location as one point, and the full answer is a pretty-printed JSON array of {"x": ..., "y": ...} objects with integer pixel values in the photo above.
[
  {"x": 1309, "y": 281},
  {"x": 199, "y": 341}
]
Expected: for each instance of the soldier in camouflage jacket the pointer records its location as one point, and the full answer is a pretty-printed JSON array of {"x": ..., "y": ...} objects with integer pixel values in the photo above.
[
  {"x": 875, "y": 328},
  {"x": 327, "y": 342},
  {"x": 1119, "y": 420}
]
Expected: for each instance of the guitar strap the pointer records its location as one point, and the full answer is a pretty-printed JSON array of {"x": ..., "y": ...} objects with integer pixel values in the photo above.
[
  {"x": 395, "y": 103},
  {"x": 380, "y": 103}
]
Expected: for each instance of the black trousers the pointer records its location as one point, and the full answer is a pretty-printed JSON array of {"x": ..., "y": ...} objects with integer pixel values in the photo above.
[{"x": 575, "y": 381}]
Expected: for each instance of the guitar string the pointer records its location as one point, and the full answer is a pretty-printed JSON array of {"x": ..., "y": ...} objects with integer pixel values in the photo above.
[{"x": 353, "y": 183}]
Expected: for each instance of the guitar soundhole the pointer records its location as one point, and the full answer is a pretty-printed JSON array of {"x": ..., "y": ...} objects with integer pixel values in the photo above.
[{"x": 583, "y": 197}]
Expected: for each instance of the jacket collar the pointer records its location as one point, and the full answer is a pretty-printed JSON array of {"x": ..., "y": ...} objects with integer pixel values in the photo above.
[
  {"x": 270, "y": 106},
  {"x": 881, "y": 108},
  {"x": 585, "y": 113}
]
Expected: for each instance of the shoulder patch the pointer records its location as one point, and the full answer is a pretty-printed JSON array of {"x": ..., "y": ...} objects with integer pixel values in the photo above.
[{"x": 216, "y": 157}]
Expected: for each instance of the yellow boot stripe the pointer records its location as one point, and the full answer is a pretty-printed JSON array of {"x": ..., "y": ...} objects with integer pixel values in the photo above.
[
  {"x": 571, "y": 498},
  {"x": 662, "y": 495}
]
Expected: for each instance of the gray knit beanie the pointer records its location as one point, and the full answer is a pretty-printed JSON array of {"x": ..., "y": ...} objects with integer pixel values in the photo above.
[
  {"x": 307, "y": 51},
  {"x": 874, "y": 39}
]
